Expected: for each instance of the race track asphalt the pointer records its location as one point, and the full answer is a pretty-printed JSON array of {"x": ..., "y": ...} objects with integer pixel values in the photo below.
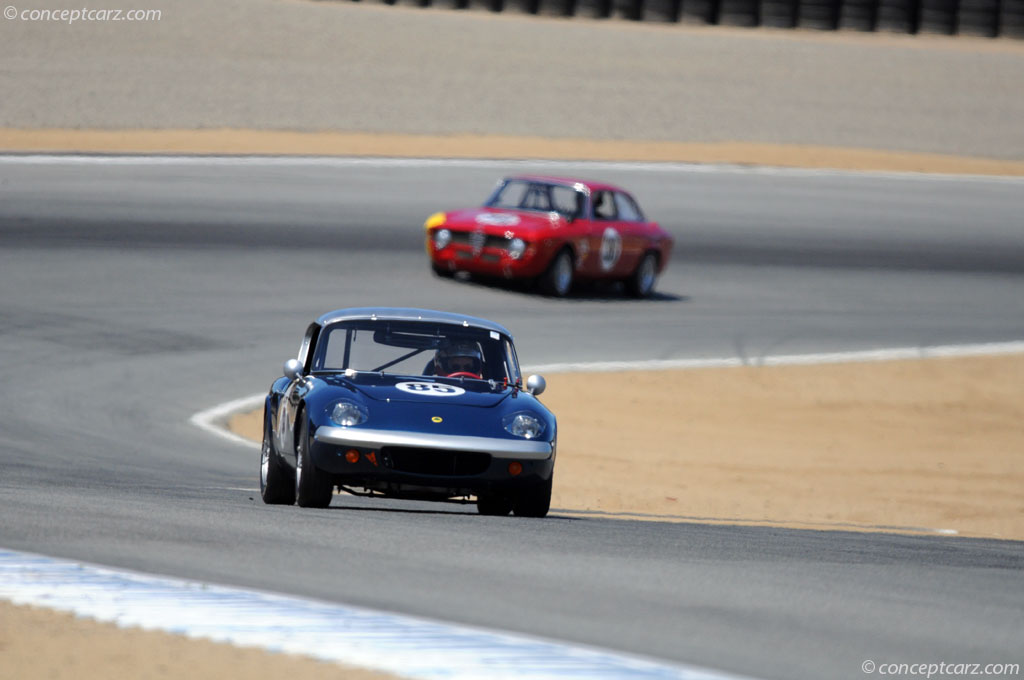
[{"x": 136, "y": 293}]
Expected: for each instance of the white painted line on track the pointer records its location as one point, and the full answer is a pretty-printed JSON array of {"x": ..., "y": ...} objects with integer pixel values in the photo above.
[
  {"x": 212, "y": 420},
  {"x": 493, "y": 164},
  {"x": 888, "y": 354},
  {"x": 409, "y": 646}
]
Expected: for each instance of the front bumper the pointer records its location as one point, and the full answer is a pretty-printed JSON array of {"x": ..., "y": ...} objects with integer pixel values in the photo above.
[
  {"x": 524, "y": 449},
  {"x": 488, "y": 261},
  {"x": 404, "y": 463}
]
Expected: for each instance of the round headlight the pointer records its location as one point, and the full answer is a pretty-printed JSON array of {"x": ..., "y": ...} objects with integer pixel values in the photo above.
[
  {"x": 516, "y": 248},
  {"x": 524, "y": 425},
  {"x": 442, "y": 237},
  {"x": 348, "y": 413}
]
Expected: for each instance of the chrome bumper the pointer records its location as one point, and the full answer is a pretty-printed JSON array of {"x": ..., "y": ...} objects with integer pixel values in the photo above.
[{"x": 353, "y": 436}]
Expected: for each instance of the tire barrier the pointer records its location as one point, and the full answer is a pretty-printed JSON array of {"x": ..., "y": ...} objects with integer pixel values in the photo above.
[
  {"x": 858, "y": 15},
  {"x": 698, "y": 11},
  {"x": 987, "y": 18},
  {"x": 1011, "y": 19},
  {"x": 555, "y": 8},
  {"x": 666, "y": 11},
  {"x": 593, "y": 9},
  {"x": 520, "y": 6},
  {"x": 938, "y": 16},
  {"x": 627, "y": 9},
  {"x": 978, "y": 17},
  {"x": 898, "y": 16},
  {"x": 819, "y": 14}
]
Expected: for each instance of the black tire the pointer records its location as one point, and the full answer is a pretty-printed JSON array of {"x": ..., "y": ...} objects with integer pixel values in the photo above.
[
  {"x": 276, "y": 484},
  {"x": 778, "y": 13},
  {"x": 898, "y": 16},
  {"x": 822, "y": 15},
  {"x": 978, "y": 17},
  {"x": 441, "y": 272},
  {"x": 698, "y": 11},
  {"x": 858, "y": 15},
  {"x": 738, "y": 12},
  {"x": 494, "y": 505},
  {"x": 534, "y": 502},
  {"x": 661, "y": 10},
  {"x": 557, "y": 280},
  {"x": 313, "y": 489},
  {"x": 641, "y": 282},
  {"x": 937, "y": 16}
]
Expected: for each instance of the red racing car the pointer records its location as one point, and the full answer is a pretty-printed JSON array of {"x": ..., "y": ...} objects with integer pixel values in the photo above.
[{"x": 552, "y": 230}]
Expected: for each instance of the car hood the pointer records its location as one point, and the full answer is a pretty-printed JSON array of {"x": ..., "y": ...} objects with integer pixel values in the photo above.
[
  {"x": 495, "y": 220},
  {"x": 423, "y": 389}
]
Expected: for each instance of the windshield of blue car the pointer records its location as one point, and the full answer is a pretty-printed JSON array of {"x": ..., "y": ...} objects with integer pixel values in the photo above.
[
  {"x": 518, "y": 194},
  {"x": 414, "y": 348}
]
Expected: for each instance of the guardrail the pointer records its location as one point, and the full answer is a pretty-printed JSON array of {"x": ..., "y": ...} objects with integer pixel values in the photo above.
[{"x": 986, "y": 18}]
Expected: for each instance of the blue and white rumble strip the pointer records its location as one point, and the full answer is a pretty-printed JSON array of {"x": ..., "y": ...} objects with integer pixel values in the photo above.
[{"x": 403, "y": 645}]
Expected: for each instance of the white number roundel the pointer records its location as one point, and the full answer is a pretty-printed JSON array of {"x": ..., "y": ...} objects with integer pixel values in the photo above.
[
  {"x": 428, "y": 389},
  {"x": 611, "y": 248}
]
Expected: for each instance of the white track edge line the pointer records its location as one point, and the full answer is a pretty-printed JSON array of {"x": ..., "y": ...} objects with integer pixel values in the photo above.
[
  {"x": 856, "y": 356},
  {"x": 356, "y": 161},
  {"x": 212, "y": 420}
]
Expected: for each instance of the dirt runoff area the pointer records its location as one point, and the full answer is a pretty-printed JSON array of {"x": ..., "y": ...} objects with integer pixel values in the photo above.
[{"x": 931, "y": 446}]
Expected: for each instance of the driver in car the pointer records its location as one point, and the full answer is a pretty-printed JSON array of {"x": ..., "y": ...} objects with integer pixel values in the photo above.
[{"x": 460, "y": 357}]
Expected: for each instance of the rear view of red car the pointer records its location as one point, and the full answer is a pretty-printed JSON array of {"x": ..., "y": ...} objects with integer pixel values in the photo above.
[{"x": 554, "y": 231}]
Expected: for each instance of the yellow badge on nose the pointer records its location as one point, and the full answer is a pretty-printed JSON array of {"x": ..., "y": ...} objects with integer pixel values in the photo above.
[{"x": 436, "y": 419}]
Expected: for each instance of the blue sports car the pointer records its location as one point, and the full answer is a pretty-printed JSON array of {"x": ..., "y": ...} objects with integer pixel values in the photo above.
[{"x": 408, "y": 403}]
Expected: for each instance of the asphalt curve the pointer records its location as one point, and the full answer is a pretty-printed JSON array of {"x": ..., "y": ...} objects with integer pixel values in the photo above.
[{"x": 138, "y": 292}]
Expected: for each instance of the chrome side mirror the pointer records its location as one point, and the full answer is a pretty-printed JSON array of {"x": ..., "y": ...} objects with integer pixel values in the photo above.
[
  {"x": 536, "y": 384},
  {"x": 292, "y": 369}
]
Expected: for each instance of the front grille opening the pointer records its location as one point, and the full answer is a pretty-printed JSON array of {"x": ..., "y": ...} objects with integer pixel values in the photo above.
[{"x": 435, "y": 461}]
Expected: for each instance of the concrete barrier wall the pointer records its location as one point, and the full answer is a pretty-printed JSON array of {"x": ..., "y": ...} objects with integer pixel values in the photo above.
[{"x": 986, "y": 18}]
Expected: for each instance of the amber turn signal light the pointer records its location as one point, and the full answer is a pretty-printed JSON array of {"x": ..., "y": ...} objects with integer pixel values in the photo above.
[
  {"x": 352, "y": 456},
  {"x": 514, "y": 468}
]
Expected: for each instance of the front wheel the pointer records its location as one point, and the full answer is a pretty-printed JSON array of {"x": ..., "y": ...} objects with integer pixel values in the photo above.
[
  {"x": 493, "y": 504},
  {"x": 641, "y": 283},
  {"x": 534, "y": 502},
  {"x": 276, "y": 487},
  {"x": 313, "y": 489},
  {"x": 557, "y": 280}
]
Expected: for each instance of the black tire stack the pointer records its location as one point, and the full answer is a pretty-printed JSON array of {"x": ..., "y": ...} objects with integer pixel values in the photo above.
[
  {"x": 822, "y": 15},
  {"x": 744, "y": 13},
  {"x": 938, "y": 16},
  {"x": 987, "y": 18},
  {"x": 778, "y": 13},
  {"x": 1011, "y": 19},
  {"x": 978, "y": 17}
]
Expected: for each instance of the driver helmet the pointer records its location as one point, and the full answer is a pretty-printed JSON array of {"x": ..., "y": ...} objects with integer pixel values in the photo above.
[{"x": 459, "y": 356}]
